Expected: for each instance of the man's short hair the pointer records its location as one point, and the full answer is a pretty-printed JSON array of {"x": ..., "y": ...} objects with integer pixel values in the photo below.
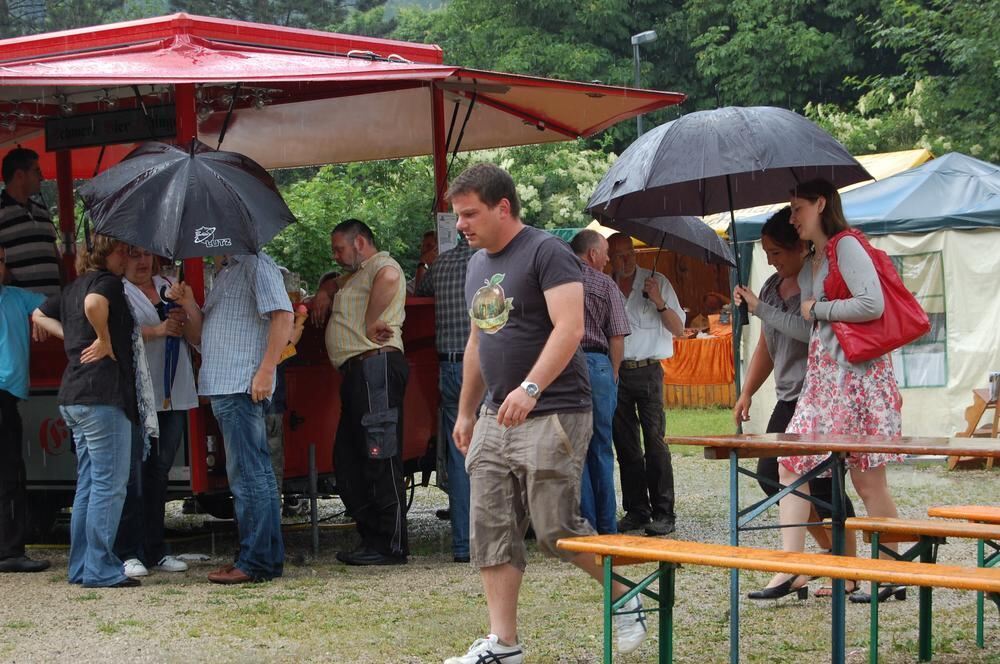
[
  {"x": 430, "y": 233},
  {"x": 18, "y": 159},
  {"x": 353, "y": 228},
  {"x": 491, "y": 183},
  {"x": 584, "y": 241}
]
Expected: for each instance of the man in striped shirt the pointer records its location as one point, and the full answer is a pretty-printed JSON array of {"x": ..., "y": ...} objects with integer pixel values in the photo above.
[
  {"x": 605, "y": 326},
  {"x": 26, "y": 228}
]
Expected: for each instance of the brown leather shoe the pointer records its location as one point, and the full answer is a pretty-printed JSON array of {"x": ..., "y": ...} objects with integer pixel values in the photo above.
[{"x": 229, "y": 576}]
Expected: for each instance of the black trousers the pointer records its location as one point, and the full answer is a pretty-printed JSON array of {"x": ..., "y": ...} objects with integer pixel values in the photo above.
[
  {"x": 647, "y": 475},
  {"x": 12, "y": 479},
  {"x": 372, "y": 489},
  {"x": 767, "y": 467}
]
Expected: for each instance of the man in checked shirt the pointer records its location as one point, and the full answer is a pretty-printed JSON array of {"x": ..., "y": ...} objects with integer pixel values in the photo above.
[
  {"x": 445, "y": 280},
  {"x": 605, "y": 328}
]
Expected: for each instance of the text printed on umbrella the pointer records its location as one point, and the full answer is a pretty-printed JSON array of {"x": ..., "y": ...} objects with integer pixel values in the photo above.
[{"x": 206, "y": 236}]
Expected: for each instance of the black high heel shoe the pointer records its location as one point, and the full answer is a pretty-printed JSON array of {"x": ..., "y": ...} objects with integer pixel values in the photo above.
[
  {"x": 884, "y": 593},
  {"x": 780, "y": 590}
]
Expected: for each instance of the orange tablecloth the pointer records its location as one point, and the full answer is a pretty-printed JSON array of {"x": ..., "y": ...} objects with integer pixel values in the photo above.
[{"x": 700, "y": 362}]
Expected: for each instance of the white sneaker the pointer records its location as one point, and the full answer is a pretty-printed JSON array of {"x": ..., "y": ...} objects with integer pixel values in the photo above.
[
  {"x": 489, "y": 651},
  {"x": 134, "y": 568},
  {"x": 171, "y": 564},
  {"x": 630, "y": 624}
]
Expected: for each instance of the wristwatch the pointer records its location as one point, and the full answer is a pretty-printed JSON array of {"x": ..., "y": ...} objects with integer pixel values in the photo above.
[
  {"x": 531, "y": 389},
  {"x": 660, "y": 311}
]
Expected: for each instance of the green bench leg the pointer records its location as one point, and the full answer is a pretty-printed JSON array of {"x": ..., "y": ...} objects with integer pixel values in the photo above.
[
  {"x": 980, "y": 597},
  {"x": 664, "y": 598},
  {"x": 873, "y": 610},
  {"x": 608, "y": 610},
  {"x": 667, "y": 576},
  {"x": 926, "y": 556}
]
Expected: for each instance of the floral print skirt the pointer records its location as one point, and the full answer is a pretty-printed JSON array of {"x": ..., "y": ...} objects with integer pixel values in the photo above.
[{"x": 840, "y": 401}]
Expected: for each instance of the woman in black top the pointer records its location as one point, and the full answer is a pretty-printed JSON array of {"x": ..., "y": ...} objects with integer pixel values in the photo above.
[{"x": 97, "y": 399}]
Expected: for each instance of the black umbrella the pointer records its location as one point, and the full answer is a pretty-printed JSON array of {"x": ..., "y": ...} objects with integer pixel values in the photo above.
[
  {"x": 689, "y": 236},
  {"x": 724, "y": 159},
  {"x": 187, "y": 201},
  {"x": 711, "y": 161}
]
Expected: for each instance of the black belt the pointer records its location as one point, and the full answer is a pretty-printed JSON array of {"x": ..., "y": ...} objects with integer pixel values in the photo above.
[
  {"x": 450, "y": 357},
  {"x": 595, "y": 349},
  {"x": 365, "y": 355},
  {"x": 638, "y": 364}
]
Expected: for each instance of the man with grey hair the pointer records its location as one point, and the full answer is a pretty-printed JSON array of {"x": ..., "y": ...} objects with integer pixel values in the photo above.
[
  {"x": 604, "y": 331},
  {"x": 656, "y": 317}
]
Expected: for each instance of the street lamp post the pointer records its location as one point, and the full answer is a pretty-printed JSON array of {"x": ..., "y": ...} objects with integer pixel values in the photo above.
[{"x": 641, "y": 38}]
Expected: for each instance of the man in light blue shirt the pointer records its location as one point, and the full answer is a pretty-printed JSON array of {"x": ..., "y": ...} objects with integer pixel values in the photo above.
[
  {"x": 16, "y": 305},
  {"x": 248, "y": 321}
]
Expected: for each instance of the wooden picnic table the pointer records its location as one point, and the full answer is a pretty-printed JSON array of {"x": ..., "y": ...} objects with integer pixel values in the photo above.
[{"x": 738, "y": 446}]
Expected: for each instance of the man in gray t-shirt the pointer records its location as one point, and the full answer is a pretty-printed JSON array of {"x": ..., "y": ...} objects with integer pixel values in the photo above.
[
  {"x": 525, "y": 454},
  {"x": 505, "y": 291}
]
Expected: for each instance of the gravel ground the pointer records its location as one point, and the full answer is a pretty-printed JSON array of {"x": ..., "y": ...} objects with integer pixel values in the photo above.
[{"x": 432, "y": 608}]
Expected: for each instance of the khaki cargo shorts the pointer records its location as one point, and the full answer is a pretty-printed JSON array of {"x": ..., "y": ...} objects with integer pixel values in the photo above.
[{"x": 531, "y": 471}]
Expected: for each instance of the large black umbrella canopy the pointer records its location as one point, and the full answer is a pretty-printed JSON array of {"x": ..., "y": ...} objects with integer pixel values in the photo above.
[
  {"x": 187, "y": 201},
  {"x": 688, "y": 236},
  {"x": 724, "y": 159}
]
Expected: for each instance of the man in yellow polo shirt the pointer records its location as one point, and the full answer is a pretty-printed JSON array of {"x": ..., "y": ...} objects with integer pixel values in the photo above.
[{"x": 364, "y": 341}]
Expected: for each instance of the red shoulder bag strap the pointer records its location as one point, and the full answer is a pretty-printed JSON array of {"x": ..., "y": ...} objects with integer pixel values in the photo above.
[{"x": 834, "y": 285}]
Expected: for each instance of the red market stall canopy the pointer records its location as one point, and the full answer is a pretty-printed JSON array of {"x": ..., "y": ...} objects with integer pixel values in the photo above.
[{"x": 298, "y": 97}]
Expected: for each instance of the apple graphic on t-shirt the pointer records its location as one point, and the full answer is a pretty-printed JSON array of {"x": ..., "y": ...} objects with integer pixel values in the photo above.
[{"x": 490, "y": 307}]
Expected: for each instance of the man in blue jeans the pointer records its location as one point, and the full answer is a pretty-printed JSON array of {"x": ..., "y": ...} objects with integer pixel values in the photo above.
[
  {"x": 445, "y": 280},
  {"x": 248, "y": 320},
  {"x": 605, "y": 328}
]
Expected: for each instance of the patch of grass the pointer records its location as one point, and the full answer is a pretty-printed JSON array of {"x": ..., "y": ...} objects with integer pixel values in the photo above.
[
  {"x": 107, "y": 627},
  {"x": 171, "y": 591},
  {"x": 89, "y": 596},
  {"x": 698, "y": 422},
  {"x": 19, "y": 624}
]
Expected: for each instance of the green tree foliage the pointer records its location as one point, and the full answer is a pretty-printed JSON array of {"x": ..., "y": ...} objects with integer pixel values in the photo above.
[
  {"x": 396, "y": 199},
  {"x": 291, "y": 13},
  {"x": 944, "y": 98},
  {"x": 785, "y": 53}
]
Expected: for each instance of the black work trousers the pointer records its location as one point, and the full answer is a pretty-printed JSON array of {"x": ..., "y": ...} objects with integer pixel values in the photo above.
[
  {"x": 373, "y": 490},
  {"x": 647, "y": 476},
  {"x": 12, "y": 479},
  {"x": 821, "y": 487}
]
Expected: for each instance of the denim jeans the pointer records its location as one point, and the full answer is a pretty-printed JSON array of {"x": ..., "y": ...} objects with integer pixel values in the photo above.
[
  {"x": 251, "y": 481},
  {"x": 103, "y": 438},
  {"x": 450, "y": 384},
  {"x": 140, "y": 534},
  {"x": 597, "y": 489}
]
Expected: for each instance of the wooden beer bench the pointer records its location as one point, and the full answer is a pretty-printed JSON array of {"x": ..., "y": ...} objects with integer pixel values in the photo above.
[
  {"x": 617, "y": 550},
  {"x": 927, "y": 534},
  {"x": 978, "y": 514}
]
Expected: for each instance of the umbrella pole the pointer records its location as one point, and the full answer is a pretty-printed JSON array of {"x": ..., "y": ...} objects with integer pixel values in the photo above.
[{"x": 744, "y": 315}]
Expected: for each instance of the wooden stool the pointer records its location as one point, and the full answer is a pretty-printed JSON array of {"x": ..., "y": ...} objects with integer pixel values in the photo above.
[{"x": 973, "y": 414}]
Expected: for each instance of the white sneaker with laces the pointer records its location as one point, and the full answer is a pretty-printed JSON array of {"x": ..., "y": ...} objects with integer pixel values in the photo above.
[
  {"x": 489, "y": 651},
  {"x": 630, "y": 624},
  {"x": 171, "y": 564},
  {"x": 134, "y": 568}
]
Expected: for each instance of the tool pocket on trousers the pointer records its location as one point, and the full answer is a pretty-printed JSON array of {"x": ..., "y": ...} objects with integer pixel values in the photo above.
[{"x": 381, "y": 438}]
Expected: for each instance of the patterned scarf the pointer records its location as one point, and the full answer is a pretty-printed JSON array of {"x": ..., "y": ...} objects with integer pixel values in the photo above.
[{"x": 143, "y": 385}]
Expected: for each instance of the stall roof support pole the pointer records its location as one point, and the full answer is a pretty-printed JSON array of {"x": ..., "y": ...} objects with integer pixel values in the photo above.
[
  {"x": 187, "y": 128},
  {"x": 440, "y": 149},
  {"x": 67, "y": 221}
]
